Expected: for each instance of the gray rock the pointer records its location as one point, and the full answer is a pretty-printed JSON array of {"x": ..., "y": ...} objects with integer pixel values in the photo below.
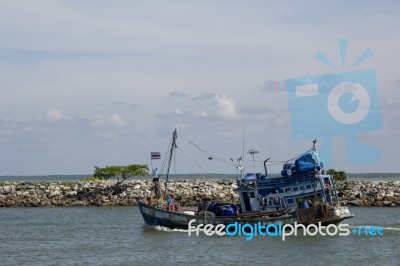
[
  {"x": 7, "y": 189},
  {"x": 55, "y": 193},
  {"x": 71, "y": 193},
  {"x": 387, "y": 203}
]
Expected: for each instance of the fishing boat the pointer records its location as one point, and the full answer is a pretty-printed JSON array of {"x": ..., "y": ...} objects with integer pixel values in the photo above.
[{"x": 302, "y": 194}]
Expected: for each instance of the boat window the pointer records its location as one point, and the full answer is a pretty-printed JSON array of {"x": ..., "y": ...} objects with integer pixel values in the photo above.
[
  {"x": 301, "y": 187},
  {"x": 295, "y": 188},
  {"x": 308, "y": 186},
  {"x": 290, "y": 201},
  {"x": 252, "y": 195},
  {"x": 280, "y": 190},
  {"x": 289, "y": 189}
]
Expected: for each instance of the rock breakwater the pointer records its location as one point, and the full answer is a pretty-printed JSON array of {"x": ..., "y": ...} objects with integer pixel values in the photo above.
[
  {"x": 186, "y": 192},
  {"x": 369, "y": 193}
]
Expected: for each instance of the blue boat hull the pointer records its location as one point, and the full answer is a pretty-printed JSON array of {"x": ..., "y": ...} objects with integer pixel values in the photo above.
[{"x": 154, "y": 216}]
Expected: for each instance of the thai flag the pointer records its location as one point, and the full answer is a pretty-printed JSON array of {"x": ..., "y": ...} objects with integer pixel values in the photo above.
[{"x": 155, "y": 155}]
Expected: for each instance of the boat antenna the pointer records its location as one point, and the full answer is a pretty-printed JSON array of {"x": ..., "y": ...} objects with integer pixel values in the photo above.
[
  {"x": 252, "y": 152},
  {"x": 243, "y": 130}
]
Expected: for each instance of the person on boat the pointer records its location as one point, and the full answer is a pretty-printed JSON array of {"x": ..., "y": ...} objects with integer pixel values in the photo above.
[
  {"x": 156, "y": 187},
  {"x": 170, "y": 204}
]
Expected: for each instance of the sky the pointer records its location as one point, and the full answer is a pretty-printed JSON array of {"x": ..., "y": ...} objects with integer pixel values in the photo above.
[{"x": 96, "y": 83}]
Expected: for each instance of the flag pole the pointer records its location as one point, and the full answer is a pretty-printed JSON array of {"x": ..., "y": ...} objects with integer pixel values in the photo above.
[{"x": 151, "y": 162}]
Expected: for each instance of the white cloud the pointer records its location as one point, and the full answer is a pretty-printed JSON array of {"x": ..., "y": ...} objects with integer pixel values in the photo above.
[
  {"x": 207, "y": 107},
  {"x": 226, "y": 107},
  {"x": 113, "y": 120},
  {"x": 52, "y": 116}
]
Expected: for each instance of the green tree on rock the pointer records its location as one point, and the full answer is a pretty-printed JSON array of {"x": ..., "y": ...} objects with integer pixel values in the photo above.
[
  {"x": 337, "y": 175},
  {"x": 122, "y": 173}
]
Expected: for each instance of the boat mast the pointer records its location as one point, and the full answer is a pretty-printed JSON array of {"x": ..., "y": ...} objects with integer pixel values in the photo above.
[{"x": 171, "y": 151}]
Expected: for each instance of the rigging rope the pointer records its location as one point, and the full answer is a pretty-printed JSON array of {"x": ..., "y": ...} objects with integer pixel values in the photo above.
[
  {"x": 213, "y": 157},
  {"x": 216, "y": 158},
  {"x": 195, "y": 163},
  {"x": 165, "y": 159},
  {"x": 210, "y": 155}
]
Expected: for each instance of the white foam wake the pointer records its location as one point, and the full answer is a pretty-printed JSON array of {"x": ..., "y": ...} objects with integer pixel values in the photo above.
[{"x": 166, "y": 229}]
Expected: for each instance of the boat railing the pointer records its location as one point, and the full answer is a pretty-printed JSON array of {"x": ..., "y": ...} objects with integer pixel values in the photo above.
[{"x": 284, "y": 181}]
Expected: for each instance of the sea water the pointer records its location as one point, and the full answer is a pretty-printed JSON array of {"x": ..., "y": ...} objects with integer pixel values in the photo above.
[{"x": 118, "y": 236}]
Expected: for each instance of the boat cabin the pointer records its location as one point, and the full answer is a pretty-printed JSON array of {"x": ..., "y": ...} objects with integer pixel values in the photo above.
[{"x": 258, "y": 193}]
